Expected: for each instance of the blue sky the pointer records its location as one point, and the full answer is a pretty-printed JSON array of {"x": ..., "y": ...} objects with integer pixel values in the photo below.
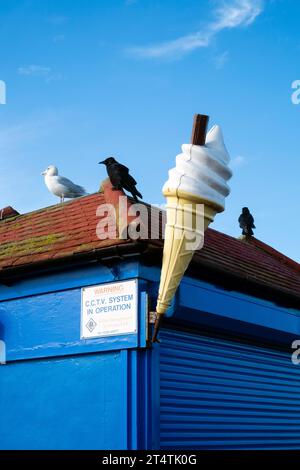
[{"x": 124, "y": 77}]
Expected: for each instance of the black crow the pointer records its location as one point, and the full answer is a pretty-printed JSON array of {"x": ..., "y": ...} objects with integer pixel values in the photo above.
[
  {"x": 246, "y": 222},
  {"x": 120, "y": 178}
]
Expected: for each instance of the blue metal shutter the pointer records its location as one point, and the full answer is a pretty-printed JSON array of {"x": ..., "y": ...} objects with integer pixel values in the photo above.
[{"x": 223, "y": 394}]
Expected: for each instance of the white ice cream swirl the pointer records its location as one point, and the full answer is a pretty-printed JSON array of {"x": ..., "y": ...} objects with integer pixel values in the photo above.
[{"x": 202, "y": 171}]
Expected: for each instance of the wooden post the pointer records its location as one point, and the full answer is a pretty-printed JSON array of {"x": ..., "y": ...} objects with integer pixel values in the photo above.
[{"x": 199, "y": 129}]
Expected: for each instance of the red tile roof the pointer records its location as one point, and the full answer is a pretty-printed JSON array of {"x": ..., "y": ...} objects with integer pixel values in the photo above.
[
  {"x": 251, "y": 260},
  {"x": 63, "y": 231}
]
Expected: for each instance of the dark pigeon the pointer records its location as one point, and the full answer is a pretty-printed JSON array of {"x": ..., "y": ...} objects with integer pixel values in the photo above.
[
  {"x": 246, "y": 222},
  {"x": 120, "y": 178}
]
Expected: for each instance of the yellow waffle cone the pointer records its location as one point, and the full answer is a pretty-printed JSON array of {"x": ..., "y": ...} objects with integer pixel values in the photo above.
[{"x": 188, "y": 217}]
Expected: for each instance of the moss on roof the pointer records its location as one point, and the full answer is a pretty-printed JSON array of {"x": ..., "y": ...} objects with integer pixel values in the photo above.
[{"x": 30, "y": 245}]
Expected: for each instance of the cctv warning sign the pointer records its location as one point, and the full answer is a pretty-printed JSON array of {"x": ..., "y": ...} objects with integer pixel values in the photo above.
[{"x": 109, "y": 309}]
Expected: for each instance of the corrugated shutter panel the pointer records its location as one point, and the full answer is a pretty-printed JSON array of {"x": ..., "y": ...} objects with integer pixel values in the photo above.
[{"x": 222, "y": 394}]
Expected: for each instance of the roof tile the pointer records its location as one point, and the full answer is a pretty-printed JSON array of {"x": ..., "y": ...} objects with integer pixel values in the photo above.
[{"x": 68, "y": 229}]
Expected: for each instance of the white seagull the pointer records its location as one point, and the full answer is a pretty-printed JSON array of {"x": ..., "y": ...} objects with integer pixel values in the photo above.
[{"x": 60, "y": 186}]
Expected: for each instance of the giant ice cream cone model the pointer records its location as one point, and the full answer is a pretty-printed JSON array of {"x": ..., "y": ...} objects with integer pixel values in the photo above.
[{"x": 195, "y": 192}]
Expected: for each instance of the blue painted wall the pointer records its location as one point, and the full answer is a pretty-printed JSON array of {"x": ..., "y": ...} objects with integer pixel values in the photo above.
[
  {"x": 58, "y": 391},
  {"x": 77, "y": 402},
  {"x": 40, "y": 317}
]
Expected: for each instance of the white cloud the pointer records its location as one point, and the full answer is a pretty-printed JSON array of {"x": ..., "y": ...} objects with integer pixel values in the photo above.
[
  {"x": 34, "y": 70},
  {"x": 221, "y": 59},
  {"x": 232, "y": 14},
  {"x": 171, "y": 48},
  {"x": 237, "y": 13},
  {"x": 40, "y": 71},
  {"x": 238, "y": 161}
]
